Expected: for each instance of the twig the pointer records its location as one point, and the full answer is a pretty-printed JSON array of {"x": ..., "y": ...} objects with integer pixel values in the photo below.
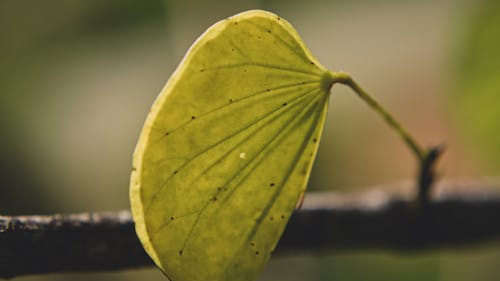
[
  {"x": 459, "y": 214},
  {"x": 427, "y": 174}
]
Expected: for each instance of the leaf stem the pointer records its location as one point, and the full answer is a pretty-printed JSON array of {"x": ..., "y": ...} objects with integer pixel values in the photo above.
[{"x": 345, "y": 79}]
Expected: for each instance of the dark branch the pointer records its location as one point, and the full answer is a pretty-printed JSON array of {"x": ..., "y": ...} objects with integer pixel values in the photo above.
[
  {"x": 458, "y": 214},
  {"x": 63, "y": 243}
]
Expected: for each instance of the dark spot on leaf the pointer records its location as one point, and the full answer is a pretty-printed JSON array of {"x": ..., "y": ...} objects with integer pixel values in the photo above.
[
  {"x": 214, "y": 198},
  {"x": 231, "y": 100},
  {"x": 171, "y": 218},
  {"x": 232, "y": 49},
  {"x": 268, "y": 89},
  {"x": 175, "y": 172},
  {"x": 256, "y": 253},
  {"x": 260, "y": 37},
  {"x": 219, "y": 188},
  {"x": 180, "y": 253},
  {"x": 269, "y": 30},
  {"x": 201, "y": 70},
  {"x": 252, "y": 244},
  {"x": 271, "y": 184},
  {"x": 312, "y": 63},
  {"x": 282, "y": 217},
  {"x": 235, "y": 23},
  {"x": 167, "y": 133},
  {"x": 315, "y": 140},
  {"x": 285, "y": 104},
  {"x": 134, "y": 169},
  {"x": 278, "y": 18},
  {"x": 271, "y": 218},
  {"x": 193, "y": 117}
]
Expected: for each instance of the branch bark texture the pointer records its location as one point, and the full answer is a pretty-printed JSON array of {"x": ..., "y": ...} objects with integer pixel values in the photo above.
[{"x": 459, "y": 214}]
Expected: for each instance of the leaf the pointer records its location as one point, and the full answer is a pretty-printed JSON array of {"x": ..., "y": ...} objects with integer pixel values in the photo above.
[{"x": 227, "y": 149}]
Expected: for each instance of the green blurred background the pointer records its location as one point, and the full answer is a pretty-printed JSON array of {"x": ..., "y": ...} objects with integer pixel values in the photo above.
[{"x": 77, "y": 79}]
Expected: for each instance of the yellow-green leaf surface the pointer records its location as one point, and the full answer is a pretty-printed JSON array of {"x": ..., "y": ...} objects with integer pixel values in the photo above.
[{"x": 226, "y": 151}]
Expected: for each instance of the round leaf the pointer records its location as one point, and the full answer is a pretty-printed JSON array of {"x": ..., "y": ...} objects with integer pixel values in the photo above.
[{"x": 227, "y": 149}]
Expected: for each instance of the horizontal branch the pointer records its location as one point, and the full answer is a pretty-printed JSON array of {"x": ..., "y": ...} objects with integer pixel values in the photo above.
[{"x": 459, "y": 214}]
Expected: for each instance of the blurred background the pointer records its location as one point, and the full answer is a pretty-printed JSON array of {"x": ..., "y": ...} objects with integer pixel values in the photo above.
[{"x": 77, "y": 79}]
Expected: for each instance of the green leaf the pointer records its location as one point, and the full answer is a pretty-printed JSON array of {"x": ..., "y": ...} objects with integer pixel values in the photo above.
[{"x": 227, "y": 149}]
